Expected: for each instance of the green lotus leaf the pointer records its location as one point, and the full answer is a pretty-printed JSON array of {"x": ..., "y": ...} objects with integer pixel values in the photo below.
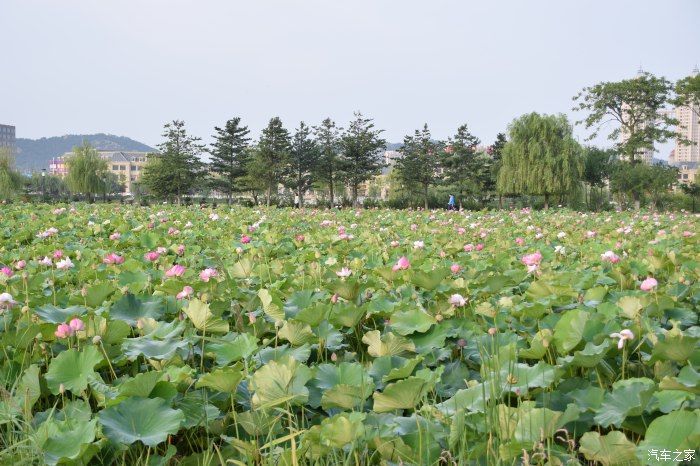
[
  {"x": 224, "y": 379},
  {"x": 609, "y": 450},
  {"x": 73, "y": 369},
  {"x": 429, "y": 280},
  {"x": 676, "y": 348},
  {"x": 569, "y": 330},
  {"x": 98, "y": 294},
  {"x": 280, "y": 382},
  {"x": 56, "y": 315},
  {"x": 676, "y": 431},
  {"x": 630, "y": 305},
  {"x": 591, "y": 355},
  {"x": 68, "y": 440},
  {"x": 131, "y": 308},
  {"x": 345, "y": 315},
  {"x": 342, "y": 429},
  {"x": 203, "y": 319},
  {"x": 141, "y": 385},
  {"x": 670, "y": 400},
  {"x": 28, "y": 390},
  {"x": 404, "y": 394},
  {"x": 387, "y": 345},
  {"x": 411, "y": 321},
  {"x": 148, "y": 420},
  {"x": 162, "y": 343},
  {"x": 296, "y": 333},
  {"x": 628, "y": 398},
  {"x": 538, "y": 345},
  {"x": 233, "y": 347}
]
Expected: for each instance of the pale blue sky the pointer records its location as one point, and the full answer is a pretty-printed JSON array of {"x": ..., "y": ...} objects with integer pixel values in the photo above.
[{"x": 126, "y": 66}]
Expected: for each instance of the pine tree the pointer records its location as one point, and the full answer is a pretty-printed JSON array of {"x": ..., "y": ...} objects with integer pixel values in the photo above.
[
  {"x": 419, "y": 162},
  {"x": 461, "y": 165},
  {"x": 229, "y": 156},
  {"x": 270, "y": 162},
  {"x": 328, "y": 142},
  {"x": 176, "y": 169},
  {"x": 303, "y": 158},
  {"x": 361, "y": 149},
  {"x": 541, "y": 157}
]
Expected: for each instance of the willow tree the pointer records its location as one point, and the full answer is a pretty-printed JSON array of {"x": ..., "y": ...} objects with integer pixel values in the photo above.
[
  {"x": 10, "y": 179},
  {"x": 87, "y": 171},
  {"x": 540, "y": 158}
]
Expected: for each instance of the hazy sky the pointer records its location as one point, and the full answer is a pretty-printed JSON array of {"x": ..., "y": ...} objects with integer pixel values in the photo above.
[{"x": 126, "y": 66}]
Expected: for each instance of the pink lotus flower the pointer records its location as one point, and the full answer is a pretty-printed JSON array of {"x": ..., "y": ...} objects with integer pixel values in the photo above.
[
  {"x": 161, "y": 250},
  {"x": 532, "y": 259},
  {"x": 175, "y": 271},
  {"x": 623, "y": 335},
  {"x": 519, "y": 241},
  {"x": 206, "y": 274},
  {"x": 20, "y": 265},
  {"x": 300, "y": 238},
  {"x": 461, "y": 230},
  {"x": 7, "y": 271},
  {"x": 418, "y": 245},
  {"x": 115, "y": 236},
  {"x": 414, "y": 227},
  {"x": 648, "y": 284},
  {"x": 151, "y": 256},
  {"x": 591, "y": 234},
  {"x": 609, "y": 256},
  {"x": 457, "y": 300},
  {"x": 57, "y": 254},
  {"x": 113, "y": 258},
  {"x": 334, "y": 298},
  {"x": 252, "y": 318},
  {"x": 394, "y": 244},
  {"x": 76, "y": 325},
  {"x": 46, "y": 261},
  {"x": 479, "y": 246},
  {"x": 344, "y": 272},
  {"x": 401, "y": 264},
  {"x": 468, "y": 247},
  {"x": 6, "y": 301},
  {"x": 245, "y": 239},
  {"x": 455, "y": 268},
  {"x": 687, "y": 234},
  {"x": 63, "y": 331},
  {"x": 173, "y": 231},
  {"x": 180, "y": 249},
  {"x": 65, "y": 264},
  {"x": 186, "y": 291}
]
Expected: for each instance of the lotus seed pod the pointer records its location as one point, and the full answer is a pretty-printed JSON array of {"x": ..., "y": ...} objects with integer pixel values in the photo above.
[
  {"x": 96, "y": 340},
  {"x": 25, "y": 309},
  {"x": 439, "y": 318},
  {"x": 493, "y": 331}
]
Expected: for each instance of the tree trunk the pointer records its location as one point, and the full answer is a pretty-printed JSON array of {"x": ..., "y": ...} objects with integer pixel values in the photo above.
[
  {"x": 300, "y": 194},
  {"x": 637, "y": 202},
  {"x": 268, "y": 195},
  {"x": 330, "y": 186},
  {"x": 500, "y": 201},
  {"x": 230, "y": 198},
  {"x": 546, "y": 201},
  {"x": 425, "y": 196},
  {"x": 354, "y": 195}
]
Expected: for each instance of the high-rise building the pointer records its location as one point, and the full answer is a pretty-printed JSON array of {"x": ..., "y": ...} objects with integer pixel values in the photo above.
[
  {"x": 688, "y": 129},
  {"x": 127, "y": 165},
  {"x": 7, "y": 138}
]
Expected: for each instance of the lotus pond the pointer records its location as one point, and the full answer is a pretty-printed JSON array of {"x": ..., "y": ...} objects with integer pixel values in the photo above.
[{"x": 193, "y": 336}]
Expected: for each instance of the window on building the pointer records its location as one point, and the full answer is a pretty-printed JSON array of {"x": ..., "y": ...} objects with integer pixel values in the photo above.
[
  {"x": 122, "y": 167},
  {"x": 115, "y": 167}
]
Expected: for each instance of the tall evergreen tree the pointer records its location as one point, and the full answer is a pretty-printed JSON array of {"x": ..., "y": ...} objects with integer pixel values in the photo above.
[
  {"x": 229, "y": 156},
  {"x": 419, "y": 162},
  {"x": 270, "y": 162},
  {"x": 361, "y": 149},
  {"x": 86, "y": 171},
  {"x": 328, "y": 141},
  {"x": 176, "y": 169},
  {"x": 541, "y": 157},
  {"x": 303, "y": 159},
  {"x": 496, "y": 153},
  {"x": 461, "y": 165}
]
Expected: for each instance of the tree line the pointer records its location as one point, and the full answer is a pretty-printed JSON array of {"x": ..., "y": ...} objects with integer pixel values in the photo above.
[{"x": 538, "y": 156}]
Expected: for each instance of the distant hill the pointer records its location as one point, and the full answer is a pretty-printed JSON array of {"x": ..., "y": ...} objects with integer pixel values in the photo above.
[{"x": 34, "y": 154}]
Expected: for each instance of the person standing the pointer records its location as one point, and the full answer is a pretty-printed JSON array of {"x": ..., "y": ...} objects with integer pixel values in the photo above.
[{"x": 451, "y": 202}]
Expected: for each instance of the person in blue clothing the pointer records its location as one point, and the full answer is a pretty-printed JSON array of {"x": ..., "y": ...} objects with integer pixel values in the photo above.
[{"x": 451, "y": 203}]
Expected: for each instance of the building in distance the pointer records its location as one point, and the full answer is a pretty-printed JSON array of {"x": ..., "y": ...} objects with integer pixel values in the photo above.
[{"x": 127, "y": 165}]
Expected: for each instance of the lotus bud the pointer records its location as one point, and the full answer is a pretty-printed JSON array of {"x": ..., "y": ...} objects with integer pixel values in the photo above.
[
  {"x": 25, "y": 309},
  {"x": 439, "y": 318},
  {"x": 493, "y": 331},
  {"x": 84, "y": 292},
  {"x": 96, "y": 340},
  {"x": 62, "y": 389},
  {"x": 334, "y": 357}
]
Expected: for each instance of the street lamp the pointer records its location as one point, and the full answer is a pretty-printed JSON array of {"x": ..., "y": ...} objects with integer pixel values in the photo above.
[{"x": 43, "y": 184}]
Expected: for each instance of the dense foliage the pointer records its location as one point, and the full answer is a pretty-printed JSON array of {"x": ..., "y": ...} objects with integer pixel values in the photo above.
[{"x": 272, "y": 336}]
